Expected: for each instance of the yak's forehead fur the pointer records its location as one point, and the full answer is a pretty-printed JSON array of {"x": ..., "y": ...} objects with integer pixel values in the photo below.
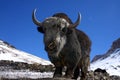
[{"x": 56, "y": 20}]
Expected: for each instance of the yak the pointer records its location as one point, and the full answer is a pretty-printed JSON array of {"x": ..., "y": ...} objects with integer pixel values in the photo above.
[{"x": 65, "y": 44}]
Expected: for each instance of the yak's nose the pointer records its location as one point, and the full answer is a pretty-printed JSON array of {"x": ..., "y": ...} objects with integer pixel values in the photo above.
[{"x": 51, "y": 46}]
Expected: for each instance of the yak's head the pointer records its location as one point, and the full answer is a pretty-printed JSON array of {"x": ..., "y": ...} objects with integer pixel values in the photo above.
[{"x": 55, "y": 30}]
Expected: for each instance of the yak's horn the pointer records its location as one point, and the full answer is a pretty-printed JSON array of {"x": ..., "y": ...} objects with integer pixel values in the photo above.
[{"x": 38, "y": 23}]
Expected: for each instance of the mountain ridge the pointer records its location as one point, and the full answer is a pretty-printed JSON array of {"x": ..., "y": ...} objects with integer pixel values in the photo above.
[{"x": 114, "y": 46}]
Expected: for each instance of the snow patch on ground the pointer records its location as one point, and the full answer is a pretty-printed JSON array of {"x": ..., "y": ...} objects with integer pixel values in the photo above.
[{"x": 25, "y": 74}]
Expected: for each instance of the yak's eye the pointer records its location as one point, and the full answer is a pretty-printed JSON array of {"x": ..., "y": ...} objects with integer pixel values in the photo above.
[{"x": 56, "y": 27}]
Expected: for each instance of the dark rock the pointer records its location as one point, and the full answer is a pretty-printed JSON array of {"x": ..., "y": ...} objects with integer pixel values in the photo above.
[
  {"x": 101, "y": 74},
  {"x": 98, "y": 74},
  {"x": 114, "y": 77},
  {"x": 100, "y": 70},
  {"x": 96, "y": 58}
]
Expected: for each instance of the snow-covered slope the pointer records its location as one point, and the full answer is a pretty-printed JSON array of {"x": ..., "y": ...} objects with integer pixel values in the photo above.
[
  {"x": 8, "y": 52},
  {"x": 111, "y": 63}
]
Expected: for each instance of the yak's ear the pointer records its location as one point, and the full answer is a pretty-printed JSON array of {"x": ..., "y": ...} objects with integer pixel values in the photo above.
[{"x": 40, "y": 29}]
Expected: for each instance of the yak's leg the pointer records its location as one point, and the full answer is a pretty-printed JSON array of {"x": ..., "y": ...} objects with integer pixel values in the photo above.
[
  {"x": 58, "y": 72},
  {"x": 84, "y": 68},
  {"x": 69, "y": 72},
  {"x": 76, "y": 73},
  {"x": 83, "y": 74}
]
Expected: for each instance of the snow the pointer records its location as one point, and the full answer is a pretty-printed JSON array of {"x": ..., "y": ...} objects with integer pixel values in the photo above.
[
  {"x": 111, "y": 64},
  {"x": 24, "y": 74},
  {"x": 9, "y": 53}
]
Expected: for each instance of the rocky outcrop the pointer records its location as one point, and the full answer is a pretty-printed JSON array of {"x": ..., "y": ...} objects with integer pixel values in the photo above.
[
  {"x": 115, "y": 45},
  {"x": 6, "y": 65},
  {"x": 101, "y": 74},
  {"x": 96, "y": 58},
  {"x": 98, "y": 74}
]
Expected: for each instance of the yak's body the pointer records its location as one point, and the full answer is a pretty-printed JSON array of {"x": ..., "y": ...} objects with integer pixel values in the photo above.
[
  {"x": 70, "y": 56},
  {"x": 66, "y": 46}
]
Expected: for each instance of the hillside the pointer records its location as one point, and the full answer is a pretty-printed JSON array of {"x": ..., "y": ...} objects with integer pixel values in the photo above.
[
  {"x": 109, "y": 61},
  {"x": 9, "y": 52}
]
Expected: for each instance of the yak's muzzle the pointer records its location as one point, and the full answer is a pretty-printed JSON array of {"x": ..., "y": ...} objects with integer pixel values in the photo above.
[{"x": 52, "y": 46}]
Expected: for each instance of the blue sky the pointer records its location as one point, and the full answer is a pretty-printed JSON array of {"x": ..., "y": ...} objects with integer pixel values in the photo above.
[{"x": 100, "y": 21}]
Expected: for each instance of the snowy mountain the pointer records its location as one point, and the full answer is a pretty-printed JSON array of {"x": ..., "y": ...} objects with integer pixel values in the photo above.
[
  {"x": 109, "y": 61},
  {"x": 9, "y": 52}
]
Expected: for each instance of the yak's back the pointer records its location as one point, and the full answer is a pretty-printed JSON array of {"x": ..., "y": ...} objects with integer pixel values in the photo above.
[{"x": 84, "y": 40}]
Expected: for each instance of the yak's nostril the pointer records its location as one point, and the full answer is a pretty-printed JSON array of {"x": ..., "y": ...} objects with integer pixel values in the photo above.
[{"x": 52, "y": 45}]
